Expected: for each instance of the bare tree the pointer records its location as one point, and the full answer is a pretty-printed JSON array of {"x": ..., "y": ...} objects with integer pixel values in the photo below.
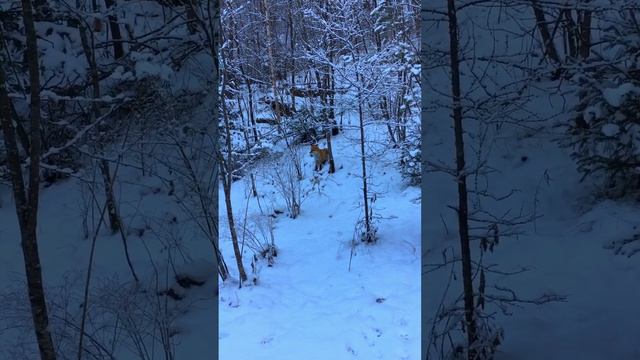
[
  {"x": 369, "y": 234},
  {"x": 26, "y": 195},
  {"x": 227, "y": 170},
  {"x": 461, "y": 178}
]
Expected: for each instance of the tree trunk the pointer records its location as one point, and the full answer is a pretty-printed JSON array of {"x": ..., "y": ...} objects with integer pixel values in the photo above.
[
  {"x": 252, "y": 115},
  {"x": 585, "y": 34},
  {"x": 114, "y": 217},
  {"x": 234, "y": 235},
  {"x": 27, "y": 199},
  {"x": 548, "y": 45},
  {"x": 245, "y": 125},
  {"x": 227, "y": 172},
  {"x": 363, "y": 161},
  {"x": 463, "y": 225},
  {"x": 112, "y": 211},
  {"x": 292, "y": 44},
  {"x": 116, "y": 37},
  {"x": 332, "y": 165},
  {"x": 571, "y": 31},
  {"x": 386, "y": 115},
  {"x": 192, "y": 16},
  {"x": 212, "y": 34},
  {"x": 248, "y": 82},
  {"x": 330, "y": 86},
  {"x": 22, "y": 133},
  {"x": 272, "y": 69},
  {"x": 115, "y": 222},
  {"x": 335, "y": 130}
]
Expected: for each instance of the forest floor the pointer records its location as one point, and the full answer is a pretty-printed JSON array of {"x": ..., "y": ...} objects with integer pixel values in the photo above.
[
  {"x": 148, "y": 213},
  {"x": 565, "y": 249},
  {"x": 309, "y": 304}
]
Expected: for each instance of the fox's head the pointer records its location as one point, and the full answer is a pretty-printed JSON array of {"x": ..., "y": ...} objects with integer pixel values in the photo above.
[{"x": 314, "y": 147}]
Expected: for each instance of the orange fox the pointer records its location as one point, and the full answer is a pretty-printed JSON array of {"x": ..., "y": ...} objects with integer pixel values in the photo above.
[{"x": 321, "y": 156}]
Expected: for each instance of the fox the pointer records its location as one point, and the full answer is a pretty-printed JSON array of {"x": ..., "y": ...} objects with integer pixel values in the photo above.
[{"x": 321, "y": 156}]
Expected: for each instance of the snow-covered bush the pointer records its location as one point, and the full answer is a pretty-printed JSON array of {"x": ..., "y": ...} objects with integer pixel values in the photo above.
[
  {"x": 142, "y": 87},
  {"x": 258, "y": 234},
  {"x": 287, "y": 182},
  {"x": 605, "y": 136}
]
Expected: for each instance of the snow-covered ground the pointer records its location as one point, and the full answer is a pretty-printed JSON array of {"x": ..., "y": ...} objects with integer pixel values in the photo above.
[
  {"x": 308, "y": 304},
  {"x": 125, "y": 320},
  {"x": 145, "y": 204},
  {"x": 564, "y": 249}
]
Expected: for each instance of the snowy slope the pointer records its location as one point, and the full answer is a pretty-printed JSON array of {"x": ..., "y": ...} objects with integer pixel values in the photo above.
[
  {"x": 566, "y": 254},
  {"x": 156, "y": 258},
  {"x": 162, "y": 238},
  {"x": 308, "y": 305},
  {"x": 564, "y": 249}
]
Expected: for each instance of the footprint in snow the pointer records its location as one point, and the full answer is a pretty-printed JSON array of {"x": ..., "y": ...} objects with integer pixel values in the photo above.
[
  {"x": 351, "y": 350},
  {"x": 586, "y": 227},
  {"x": 370, "y": 338}
]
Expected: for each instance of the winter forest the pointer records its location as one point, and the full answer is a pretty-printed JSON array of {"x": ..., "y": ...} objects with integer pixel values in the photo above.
[
  {"x": 164, "y": 163},
  {"x": 530, "y": 180},
  {"x": 319, "y": 198},
  {"x": 108, "y": 179},
  {"x": 320, "y": 179}
]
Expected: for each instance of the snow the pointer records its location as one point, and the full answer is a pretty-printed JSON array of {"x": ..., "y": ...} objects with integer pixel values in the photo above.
[
  {"x": 309, "y": 305},
  {"x": 564, "y": 250},
  {"x": 162, "y": 237},
  {"x": 144, "y": 204},
  {"x": 567, "y": 248},
  {"x": 146, "y": 68},
  {"x": 64, "y": 256},
  {"x": 610, "y": 129},
  {"x": 592, "y": 113},
  {"x": 616, "y": 96}
]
